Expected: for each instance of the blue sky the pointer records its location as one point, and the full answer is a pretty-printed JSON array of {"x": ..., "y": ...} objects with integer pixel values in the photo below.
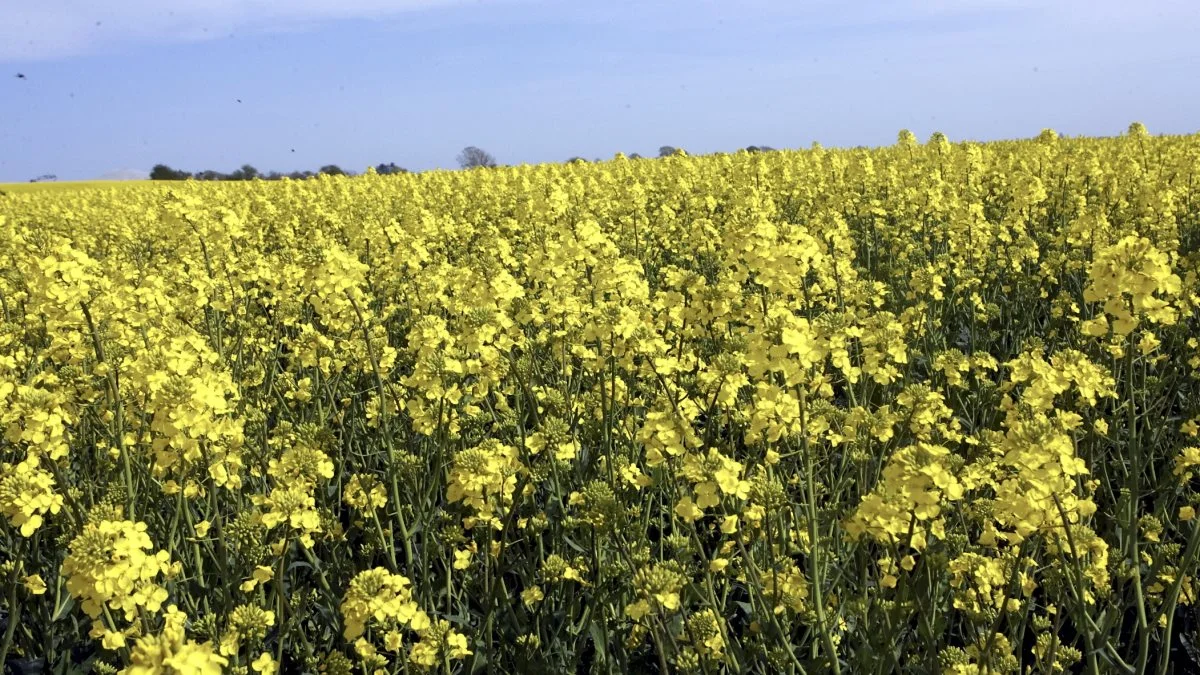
[{"x": 124, "y": 85}]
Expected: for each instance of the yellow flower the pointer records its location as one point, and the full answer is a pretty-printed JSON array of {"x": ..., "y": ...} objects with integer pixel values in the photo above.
[
  {"x": 1134, "y": 281},
  {"x": 484, "y": 478},
  {"x": 787, "y": 587},
  {"x": 112, "y": 639},
  {"x": 688, "y": 510},
  {"x": 364, "y": 648},
  {"x": 916, "y": 485},
  {"x": 261, "y": 575},
  {"x": 532, "y": 595},
  {"x": 295, "y": 508},
  {"x": 35, "y": 585},
  {"x": 1186, "y": 462},
  {"x": 1191, "y": 427},
  {"x": 27, "y": 495},
  {"x": 364, "y": 493},
  {"x": 437, "y": 640},
  {"x": 248, "y": 624},
  {"x": 108, "y": 566},
  {"x": 729, "y": 525},
  {"x": 378, "y": 597},
  {"x": 265, "y": 664},
  {"x": 171, "y": 652}
]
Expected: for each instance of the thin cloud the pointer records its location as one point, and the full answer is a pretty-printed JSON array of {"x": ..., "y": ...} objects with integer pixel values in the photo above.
[
  {"x": 125, "y": 174},
  {"x": 52, "y": 29}
]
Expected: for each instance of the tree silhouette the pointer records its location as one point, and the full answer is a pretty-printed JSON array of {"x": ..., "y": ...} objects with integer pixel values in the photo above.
[
  {"x": 247, "y": 172},
  {"x": 164, "y": 172},
  {"x": 472, "y": 157}
]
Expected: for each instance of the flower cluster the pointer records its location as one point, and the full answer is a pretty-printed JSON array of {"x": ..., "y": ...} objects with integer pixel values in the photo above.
[
  {"x": 27, "y": 495},
  {"x": 112, "y": 565}
]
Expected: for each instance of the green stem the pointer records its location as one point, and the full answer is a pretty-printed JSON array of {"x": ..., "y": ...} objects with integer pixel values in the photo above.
[
  {"x": 1168, "y": 607},
  {"x": 114, "y": 393},
  {"x": 14, "y": 618},
  {"x": 280, "y": 602},
  {"x": 816, "y": 572}
]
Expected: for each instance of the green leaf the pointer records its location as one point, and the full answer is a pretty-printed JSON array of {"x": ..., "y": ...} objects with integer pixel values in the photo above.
[
  {"x": 64, "y": 609},
  {"x": 597, "y": 634}
]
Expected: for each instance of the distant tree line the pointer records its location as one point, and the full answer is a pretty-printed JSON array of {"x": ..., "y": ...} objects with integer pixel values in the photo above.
[
  {"x": 248, "y": 172},
  {"x": 671, "y": 151},
  {"x": 471, "y": 157}
]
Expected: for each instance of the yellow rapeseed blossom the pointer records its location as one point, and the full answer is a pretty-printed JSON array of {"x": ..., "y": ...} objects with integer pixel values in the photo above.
[
  {"x": 27, "y": 495},
  {"x": 171, "y": 653},
  {"x": 379, "y": 598},
  {"x": 113, "y": 565},
  {"x": 756, "y": 411},
  {"x": 365, "y": 493},
  {"x": 484, "y": 479}
]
